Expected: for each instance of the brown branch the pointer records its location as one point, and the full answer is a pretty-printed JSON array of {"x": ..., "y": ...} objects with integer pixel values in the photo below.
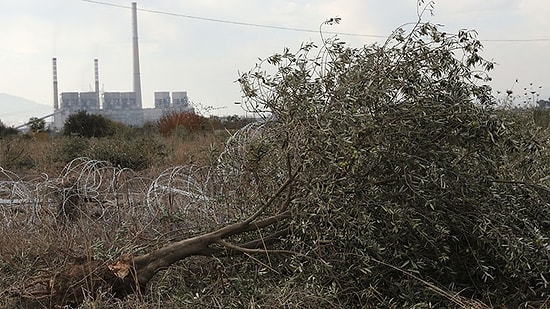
[
  {"x": 268, "y": 240},
  {"x": 242, "y": 227},
  {"x": 273, "y": 197},
  {"x": 253, "y": 244},
  {"x": 149, "y": 264},
  {"x": 519, "y": 182},
  {"x": 251, "y": 251}
]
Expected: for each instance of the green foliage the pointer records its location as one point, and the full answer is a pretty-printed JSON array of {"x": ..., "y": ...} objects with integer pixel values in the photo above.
[
  {"x": 37, "y": 125},
  {"x": 122, "y": 150},
  {"x": 7, "y": 131},
  {"x": 136, "y": 153},
  {"x": 72, "y": 147},
  {"x": 411, "y": 183},
  {"x": 88, "y": 125}
]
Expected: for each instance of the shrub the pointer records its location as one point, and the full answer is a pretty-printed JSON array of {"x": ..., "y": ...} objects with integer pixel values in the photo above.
[
  {"x": 71, "y": 147},
  {"x": 89, "y": 125},
  {"x": 135, "y": 153},
  {"x": 37, "y": 125},
  {"x": 7, "y": 131},
  {"x": 190, "y": 122}
]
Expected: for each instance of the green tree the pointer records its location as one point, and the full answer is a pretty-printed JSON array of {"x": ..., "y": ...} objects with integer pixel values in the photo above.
[
  {"x": 6, "y": 131},
  {"x": 88, "y": 125},
  {"x": 37, "y": 124}
]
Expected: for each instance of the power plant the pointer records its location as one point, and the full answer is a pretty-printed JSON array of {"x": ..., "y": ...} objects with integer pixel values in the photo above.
[{"x": 125, "y": 107}]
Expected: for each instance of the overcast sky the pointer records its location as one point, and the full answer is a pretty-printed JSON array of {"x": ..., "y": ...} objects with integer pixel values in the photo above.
[{"x": 204, "y": 57}]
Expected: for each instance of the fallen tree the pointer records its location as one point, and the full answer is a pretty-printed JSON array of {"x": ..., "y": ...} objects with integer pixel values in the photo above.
[{"x": 385, "y": 176}]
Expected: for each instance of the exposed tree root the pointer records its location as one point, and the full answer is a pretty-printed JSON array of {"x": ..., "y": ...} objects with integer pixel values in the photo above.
[{"x": 74, "y": 284}]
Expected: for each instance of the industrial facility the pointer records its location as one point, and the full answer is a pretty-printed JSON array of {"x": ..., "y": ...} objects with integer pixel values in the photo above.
[{"x": 125, "y": 107}]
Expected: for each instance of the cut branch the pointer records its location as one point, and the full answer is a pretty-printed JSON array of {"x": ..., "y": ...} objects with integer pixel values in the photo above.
[
  {"x": 130, "y": 274},
  {"x": 149, "y": 264},
  {"x": 247, "y": 250}
]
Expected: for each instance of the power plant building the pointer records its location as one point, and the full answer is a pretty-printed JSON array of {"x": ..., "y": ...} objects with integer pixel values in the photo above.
[
  {"x": 119, "y": 101},
  {"x": 125, "y": 107},
  {"x": 179, "y": 99},
  {"x": 162, "y": 99}
]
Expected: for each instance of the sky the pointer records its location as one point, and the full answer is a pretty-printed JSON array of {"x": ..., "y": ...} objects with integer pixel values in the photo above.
[{"x": 181, "y": 49}]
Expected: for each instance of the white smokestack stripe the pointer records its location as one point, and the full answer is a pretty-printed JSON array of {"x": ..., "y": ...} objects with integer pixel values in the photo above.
[
  {"x": 55, "y": 89},
  {"x": 96, "y": 76}
]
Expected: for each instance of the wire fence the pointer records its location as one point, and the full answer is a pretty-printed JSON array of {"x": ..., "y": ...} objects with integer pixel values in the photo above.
[{"x": 102, "y": 194}]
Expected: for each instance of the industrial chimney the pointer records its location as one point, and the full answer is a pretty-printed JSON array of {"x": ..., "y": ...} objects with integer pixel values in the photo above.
[
  {"x": 96, "y": 75},
  {"x": 55, "y": 91},
  {"x": 137, "y": 79}
]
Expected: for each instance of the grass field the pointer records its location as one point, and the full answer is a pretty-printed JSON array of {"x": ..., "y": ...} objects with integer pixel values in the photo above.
[{"x": 56, "y": 212}]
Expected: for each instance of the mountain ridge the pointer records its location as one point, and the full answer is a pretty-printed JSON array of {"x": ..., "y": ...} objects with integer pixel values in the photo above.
[{"x": 15, "y": 110}]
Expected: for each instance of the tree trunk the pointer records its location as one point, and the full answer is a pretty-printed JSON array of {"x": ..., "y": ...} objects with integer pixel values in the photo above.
[{"x": 130, "y": 274}]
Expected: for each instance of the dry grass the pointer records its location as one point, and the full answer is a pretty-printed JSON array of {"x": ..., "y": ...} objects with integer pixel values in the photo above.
[
  {"x": 108, "y": 211},
  {"x": 87, "y": 210},
  {"x": 63, "y": 214},
  {"x": 199, "y": 149},
  {"x": 39, "y": 154}
]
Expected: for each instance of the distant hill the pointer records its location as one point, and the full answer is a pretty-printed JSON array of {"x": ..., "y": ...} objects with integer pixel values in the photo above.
[{"x": 15, "y": 110}]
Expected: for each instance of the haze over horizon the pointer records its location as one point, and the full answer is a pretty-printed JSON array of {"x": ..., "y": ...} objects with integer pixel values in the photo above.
[
  {"x": 200, "y": 46},
  {"x": 15, "y": 110}
]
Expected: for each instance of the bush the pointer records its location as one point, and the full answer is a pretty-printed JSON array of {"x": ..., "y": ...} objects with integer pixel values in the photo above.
[
  {"x": 89, "y": 125},
  {"x": 7, "y": 131},
  {"x": 37, "y": 125},
  {"x": 135, "y": 153},
  {"x": 190, "y": 122},
  {"x": 72, "y": 147}
]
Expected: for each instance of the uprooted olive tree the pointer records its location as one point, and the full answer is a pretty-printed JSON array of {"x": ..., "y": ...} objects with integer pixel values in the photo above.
[
  {"x": 382, "y": 176},
  {"x": 414, "y": 189}
]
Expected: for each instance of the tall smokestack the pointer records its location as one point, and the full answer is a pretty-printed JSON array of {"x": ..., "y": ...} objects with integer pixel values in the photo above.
[
  {"x": 96, "y": 75},
  {"x": 55, "y": 91},
  {"x": 137, "y": 79}
]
